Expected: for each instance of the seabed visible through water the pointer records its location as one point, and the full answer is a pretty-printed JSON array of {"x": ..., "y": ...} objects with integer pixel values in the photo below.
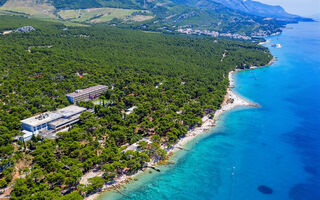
[{"x": 266, "y": 153}]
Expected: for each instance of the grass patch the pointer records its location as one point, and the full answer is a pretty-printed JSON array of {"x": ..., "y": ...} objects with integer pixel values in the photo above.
[
  {"x": 141, "y": 18},
  {"x": 67, "y": 23},
  {"x": 99, "y": 101},
  {"x": 47, "y": 12},
  {"x": 30, "y": 7},
  {"x": 95, "y": 15}
]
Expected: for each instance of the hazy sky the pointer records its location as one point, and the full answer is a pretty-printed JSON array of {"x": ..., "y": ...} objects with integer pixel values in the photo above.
[{"x": 300, "y": 7}]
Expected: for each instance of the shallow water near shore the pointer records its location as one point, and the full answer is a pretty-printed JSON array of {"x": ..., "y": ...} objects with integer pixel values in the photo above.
[{"x": 276, "y": 145}]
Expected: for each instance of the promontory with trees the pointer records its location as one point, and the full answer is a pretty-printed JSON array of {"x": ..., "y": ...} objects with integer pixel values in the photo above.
[{"x": 172, "y": 80}]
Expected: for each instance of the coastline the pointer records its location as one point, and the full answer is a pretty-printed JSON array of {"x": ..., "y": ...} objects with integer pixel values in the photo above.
[
  {"x": 296, "y": 169},
  {"x": 274, "y": 59},
  {"x": 231, "y": 101}
]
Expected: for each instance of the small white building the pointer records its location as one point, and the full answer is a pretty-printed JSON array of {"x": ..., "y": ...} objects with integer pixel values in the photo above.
[
  {"x": 26, "y": 136},
  {"x": 130, "y": 110}
]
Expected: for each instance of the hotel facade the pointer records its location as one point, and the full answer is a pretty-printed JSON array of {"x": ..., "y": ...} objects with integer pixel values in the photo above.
[
  {"x": 51, "y": 122},
  {"x": 86, "y": 94}
]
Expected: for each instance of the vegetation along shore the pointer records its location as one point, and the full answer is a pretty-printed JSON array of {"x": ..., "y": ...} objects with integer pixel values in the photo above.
[
  {"x": 163, "y": 90},
  {"x": 231, "y": 101}
]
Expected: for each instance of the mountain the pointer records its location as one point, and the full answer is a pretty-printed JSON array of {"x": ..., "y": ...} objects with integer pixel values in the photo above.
[
  {"x": 248, "y": 7},
  {"x": 227, "y": 18},
  {"x": 259, "y": 9}
]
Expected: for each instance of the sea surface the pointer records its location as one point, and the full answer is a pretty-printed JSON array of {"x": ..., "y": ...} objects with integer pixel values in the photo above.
[{"x": 276, "y": 145}]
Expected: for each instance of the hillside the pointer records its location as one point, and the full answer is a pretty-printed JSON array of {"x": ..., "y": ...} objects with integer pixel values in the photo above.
[
  {"x": 205, "y": 17},
  {"x": 32, "y": 7}
]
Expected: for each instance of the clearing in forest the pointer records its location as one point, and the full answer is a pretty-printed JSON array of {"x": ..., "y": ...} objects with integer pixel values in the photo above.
[
  {"x": 30, "y": 7},
  {"x": 97, "y": 15}
]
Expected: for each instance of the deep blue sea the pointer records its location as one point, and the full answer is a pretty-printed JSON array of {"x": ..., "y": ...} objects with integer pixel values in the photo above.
[{"x": 276, "y": 145}]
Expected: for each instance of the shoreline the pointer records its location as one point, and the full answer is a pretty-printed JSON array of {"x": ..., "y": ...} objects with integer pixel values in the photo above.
[
  {"x": 231, "y": 101},
  {"x": 270, "y": 63},
  {"x": 273, "y": 60}
]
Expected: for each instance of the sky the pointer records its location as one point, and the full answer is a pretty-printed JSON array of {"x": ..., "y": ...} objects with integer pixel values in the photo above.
[{"x": 300, "y": 7}]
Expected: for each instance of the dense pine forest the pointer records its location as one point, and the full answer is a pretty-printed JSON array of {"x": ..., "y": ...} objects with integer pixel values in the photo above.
[{"x": 173, "y": 80}]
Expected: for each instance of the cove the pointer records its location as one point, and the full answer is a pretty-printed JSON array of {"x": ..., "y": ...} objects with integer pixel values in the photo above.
[{"x": 276, "y": 145}]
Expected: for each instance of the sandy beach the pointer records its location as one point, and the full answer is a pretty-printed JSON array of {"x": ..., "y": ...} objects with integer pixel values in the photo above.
[
  {"x": 231, "y": 100},
  {"x": 262, "y": 43}
]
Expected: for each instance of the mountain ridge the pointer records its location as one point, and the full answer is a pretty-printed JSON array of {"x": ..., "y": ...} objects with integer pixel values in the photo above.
[
  {"x": 259, "y": 9},
  {"x": 204, "y": 17}
]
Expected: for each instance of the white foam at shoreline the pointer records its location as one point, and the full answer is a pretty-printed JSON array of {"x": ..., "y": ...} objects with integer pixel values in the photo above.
[{"x": 232, "y": 100}]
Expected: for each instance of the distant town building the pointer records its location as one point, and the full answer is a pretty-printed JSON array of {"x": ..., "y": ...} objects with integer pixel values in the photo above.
[
  {"x": 87, "y": 94},
  {"x": 25, "y": 29},
  {"x": 49, "y": 123}
]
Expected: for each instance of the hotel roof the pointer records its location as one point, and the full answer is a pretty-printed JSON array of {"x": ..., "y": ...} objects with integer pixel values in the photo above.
[
  {"x": 53, "y": 115},
  {"x": 64, "y": 121},
  {"x": 87, "y": 90}
]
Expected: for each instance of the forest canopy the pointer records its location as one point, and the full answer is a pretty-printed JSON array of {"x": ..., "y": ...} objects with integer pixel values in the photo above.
[{"x": 172, "y": 80}]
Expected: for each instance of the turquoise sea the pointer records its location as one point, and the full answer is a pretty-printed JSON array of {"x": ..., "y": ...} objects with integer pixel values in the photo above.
[{"x": 276, "y": 145}]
